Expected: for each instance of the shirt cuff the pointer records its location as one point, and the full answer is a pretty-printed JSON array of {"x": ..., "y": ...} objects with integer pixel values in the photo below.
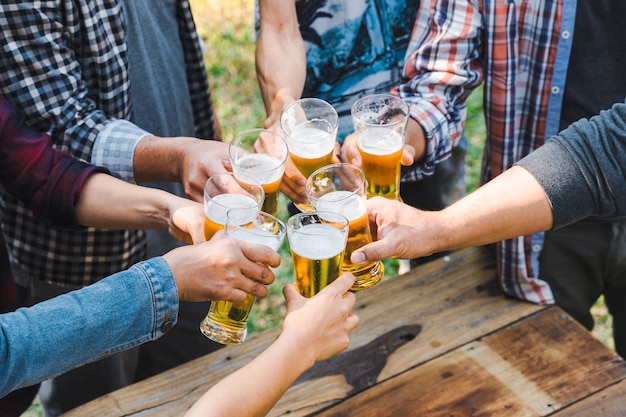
[
  {"x": 115, "y": 146},
  {"x": 164, "y": 294}
]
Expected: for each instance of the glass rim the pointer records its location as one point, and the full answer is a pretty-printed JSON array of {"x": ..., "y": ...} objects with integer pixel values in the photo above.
[
  {"x": 248, "y": 181},
  {"x": 362, "y": 182},
  {"x": 334, "y": 124},
  {"x": 281, "y": 224},
  {"x": 283, "y": 140},
  {"x": 322, "y": 215},
  {"x": 406, "y": 109}
]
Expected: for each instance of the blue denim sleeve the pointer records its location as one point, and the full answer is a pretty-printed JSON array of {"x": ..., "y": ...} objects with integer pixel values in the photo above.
[{"x": 119, "y": 312}]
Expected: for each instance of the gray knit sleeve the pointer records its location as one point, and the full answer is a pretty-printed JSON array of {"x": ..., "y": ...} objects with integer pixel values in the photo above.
[{"x": 583, "y": 168}]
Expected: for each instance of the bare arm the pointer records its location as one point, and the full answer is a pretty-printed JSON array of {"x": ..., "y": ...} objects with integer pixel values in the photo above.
[
  {"x": 280, "y": 57},
  {"x": 512, "y": 204},
  {"x": 187, "y": 160},
  {"x": 314, "y": 329},
  {"x": 109, "y": 203}
]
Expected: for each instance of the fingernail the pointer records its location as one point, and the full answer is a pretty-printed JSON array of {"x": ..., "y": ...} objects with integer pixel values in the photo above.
[{"x": 358, "y": 257}]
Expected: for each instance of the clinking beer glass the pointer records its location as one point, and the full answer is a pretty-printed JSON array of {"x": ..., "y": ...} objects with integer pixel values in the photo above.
[
  {"x": 310, "y": 125},
  {"x": 317, "y": 241},
  {"x": 225, "y": 191},
  {"x": 380, "y": 122},
  {"x": 261, "y": 154},
  {"x": 226, "y": 321},
  {"x": 340, "y": 188}
]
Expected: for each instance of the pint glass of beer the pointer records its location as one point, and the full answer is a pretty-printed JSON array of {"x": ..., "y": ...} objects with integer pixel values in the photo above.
[
  {"x": 260, "y": 154},
  {"x": 380, "y": 122},
  {"x": 225, "y": 191},
  {"x": 317, "y": 241},
  {"x": 340, "y": 188},
  {"x": 310, "y": 126},
  {"x": 226, "y": 321}
]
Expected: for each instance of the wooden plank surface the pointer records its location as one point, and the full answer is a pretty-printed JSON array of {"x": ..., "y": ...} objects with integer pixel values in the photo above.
[
  {"x": 533, "y": 368},
  {"x": 610, "y": 402},
  {"x": 404, "y": 322}
]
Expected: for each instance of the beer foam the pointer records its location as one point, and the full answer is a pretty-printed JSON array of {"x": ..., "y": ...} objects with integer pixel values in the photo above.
[
  {"x": 380, "y": 141},
  {"x": 216, "y": 208},
  {"x": 350, "y": 205},
  {"x": 263, "y": 167},
  {"x": 317, "y": 241},
  {"x": 310, "y": 143}
]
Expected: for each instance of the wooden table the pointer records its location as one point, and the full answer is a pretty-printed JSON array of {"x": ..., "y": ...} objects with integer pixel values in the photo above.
[{"x": 441, "y": 340}]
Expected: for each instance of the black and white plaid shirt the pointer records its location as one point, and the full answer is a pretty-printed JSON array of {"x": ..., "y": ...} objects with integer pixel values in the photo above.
[{"x": 64, "y": 64}]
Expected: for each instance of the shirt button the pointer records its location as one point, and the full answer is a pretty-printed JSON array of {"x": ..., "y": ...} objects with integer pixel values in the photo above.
[
  {"x": 167, "y": 324},
  {"x": 556, "y": 90},
  {"x": 565, "y": 34},
  {"x": 536, "y": 248}
]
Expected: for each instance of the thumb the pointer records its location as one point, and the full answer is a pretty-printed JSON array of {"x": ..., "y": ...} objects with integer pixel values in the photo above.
[
  {"x": 372, "y": 252},
  {"x": 292, "y": 297}
]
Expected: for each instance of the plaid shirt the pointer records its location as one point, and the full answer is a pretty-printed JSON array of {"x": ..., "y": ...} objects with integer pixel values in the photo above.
[
  {"x": 47, "y": 179},
  {"x": 521, "y": 50},
  {"x": 64, "y": 64}
]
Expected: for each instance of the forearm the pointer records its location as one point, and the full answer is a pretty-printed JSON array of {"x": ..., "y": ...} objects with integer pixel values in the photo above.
[
  {"x": 512, "y": 204},
  {"x": 131, "y": 307},
  {"x": 280, "y": 55},
  {"x": 254, "y": 389},
  {"x": 158, "y": 159},
  {"x": 109, "y": 203}
]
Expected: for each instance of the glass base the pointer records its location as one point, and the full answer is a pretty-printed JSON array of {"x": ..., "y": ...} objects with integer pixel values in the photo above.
[
  {"x": 223, "y": 334},
  {"x": 369, "y": 277}
]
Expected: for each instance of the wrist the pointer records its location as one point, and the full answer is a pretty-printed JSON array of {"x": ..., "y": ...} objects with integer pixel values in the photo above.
[{"x": 158, "y": 159}]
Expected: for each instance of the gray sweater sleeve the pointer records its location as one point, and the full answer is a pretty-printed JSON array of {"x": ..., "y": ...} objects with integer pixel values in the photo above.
[{"x": 583, "y": 168}]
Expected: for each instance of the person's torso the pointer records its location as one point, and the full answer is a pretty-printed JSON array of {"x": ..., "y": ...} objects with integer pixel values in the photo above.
[{"x": 354, "y": 48}]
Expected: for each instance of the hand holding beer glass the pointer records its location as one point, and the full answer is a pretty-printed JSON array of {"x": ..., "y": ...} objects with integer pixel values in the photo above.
[
  {"x": 340, "y": 188},
  {"x": 310, "y": 125},
  {"x": 225, "y": 191},
  {"x": 317, "y": 241},
  {"x": 380, "y": 122},
  {"x": 260, "y": 154},
  {"x": 226, "y": 321}
]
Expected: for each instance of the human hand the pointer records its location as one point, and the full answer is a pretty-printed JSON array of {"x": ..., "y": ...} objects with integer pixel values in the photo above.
[
  {"x": 222, "y": 269},
  {"x": 321, "y": 324},
  {"x": 186, "y": 220},
  {"x": 201, "y": 159},
  {"x": 399, "y": 231}
]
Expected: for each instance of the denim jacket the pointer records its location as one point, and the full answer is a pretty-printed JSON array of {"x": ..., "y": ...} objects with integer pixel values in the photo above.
[{"x": 119, "y": 312}]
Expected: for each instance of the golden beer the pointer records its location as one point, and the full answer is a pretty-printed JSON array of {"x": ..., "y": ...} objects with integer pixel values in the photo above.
[
  {"x": 226, "y": 322},
  {"x": 310, "y": 125},
  {"x": 317, "y": 241},
  {"x": 317, "y": 252},
  {"x": 310, "y": 149},
  {"x": 353, "y": 207},
  {"x": 380, "y": 122},
  {"x": 215, "y": 210},
  {"x": 381, "y": 154},
  {"x": 261, "y": 154}
]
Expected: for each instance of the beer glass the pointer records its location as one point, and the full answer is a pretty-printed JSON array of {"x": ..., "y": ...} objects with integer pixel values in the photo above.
[
  {"x": 380, "y": 122},
  {"x": 225, "y": 191},
  {"x": 260, "y": 154},
  {"x": 226, "y": 321},
  {"x": 317, "y": 241},
  {"x": 340, "y": 188},
  {"x": 310, "y": 125}
]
